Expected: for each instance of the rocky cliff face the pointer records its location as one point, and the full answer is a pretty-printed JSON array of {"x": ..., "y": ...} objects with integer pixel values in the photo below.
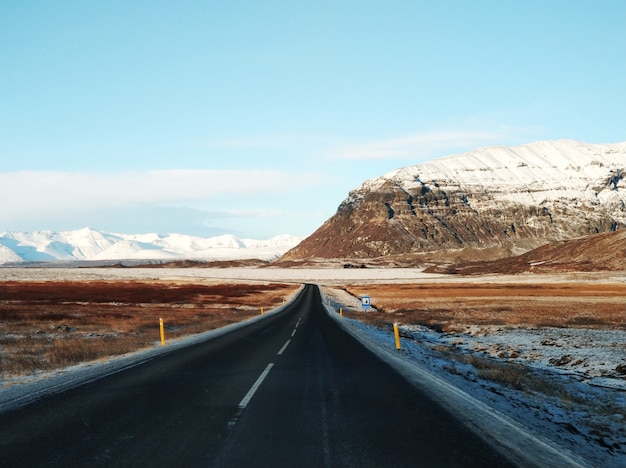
[{"x": 513, "y": 197}]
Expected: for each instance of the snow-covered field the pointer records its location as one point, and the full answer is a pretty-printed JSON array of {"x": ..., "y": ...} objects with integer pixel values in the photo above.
[
  {"x": 577, "y": 400},
  {"x": 322, "y": 276},
  {"x": 309, "y": 275}
]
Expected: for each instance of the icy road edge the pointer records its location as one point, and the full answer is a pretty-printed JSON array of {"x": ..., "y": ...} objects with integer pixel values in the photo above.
[{"x": 510, "y": 438}]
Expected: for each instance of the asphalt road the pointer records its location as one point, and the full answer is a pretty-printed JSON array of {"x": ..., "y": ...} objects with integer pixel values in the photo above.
[{"x": 292, "y": 390}]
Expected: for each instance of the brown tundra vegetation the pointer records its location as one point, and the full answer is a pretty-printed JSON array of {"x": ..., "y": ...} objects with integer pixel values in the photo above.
[
  {"x": 453, "y": 307},
  {"x": 52, "y": 324}
]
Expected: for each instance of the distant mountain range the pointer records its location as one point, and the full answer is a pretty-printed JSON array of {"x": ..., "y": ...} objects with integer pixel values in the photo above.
[
  {"x": 91, "y": 245},
  {"x": 489, "y": 203}
]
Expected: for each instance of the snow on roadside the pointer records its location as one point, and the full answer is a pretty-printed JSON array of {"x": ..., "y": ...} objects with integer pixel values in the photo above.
[
  {"x": 597, "y": 357},
  {"x": 569, "y": 390}
]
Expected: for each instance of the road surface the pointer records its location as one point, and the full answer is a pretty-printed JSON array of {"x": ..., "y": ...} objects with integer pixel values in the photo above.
[{"x": 292, "y": 390}]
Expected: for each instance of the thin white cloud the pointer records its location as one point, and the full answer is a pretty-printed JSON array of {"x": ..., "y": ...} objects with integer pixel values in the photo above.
[
  {"x": 271, "y": 141},
  {"x": 253, "y": 213},
  {"x": 30, "y": 194},
  {"x": 420, "y": 145}
]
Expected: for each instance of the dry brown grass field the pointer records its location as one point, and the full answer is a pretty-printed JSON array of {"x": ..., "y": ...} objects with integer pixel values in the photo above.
[
  {"x": 46, "y": 325},
  {"x": 52, "y": 324},
  {"x": 452, "y": 307}
]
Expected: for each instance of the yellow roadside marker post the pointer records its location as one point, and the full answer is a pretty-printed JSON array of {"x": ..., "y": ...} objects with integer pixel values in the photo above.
[
  {"x": 162, "y": 332},
  {"x": 397, "y": 334}
]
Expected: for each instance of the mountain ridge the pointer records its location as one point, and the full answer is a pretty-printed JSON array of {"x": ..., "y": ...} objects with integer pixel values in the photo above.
[
  {"x": 88, "y": 244},
  {"x": 510, "y": 198}
]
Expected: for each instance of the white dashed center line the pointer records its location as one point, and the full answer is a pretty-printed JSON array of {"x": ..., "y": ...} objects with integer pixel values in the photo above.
[
  {"x": 244, "y": 403},
  {"x": 255, "y": 387},
  {"x": 284, "y": 347}
]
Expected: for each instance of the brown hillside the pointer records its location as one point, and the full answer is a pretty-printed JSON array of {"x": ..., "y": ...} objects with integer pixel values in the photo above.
[{"x": 599, "y": 252}]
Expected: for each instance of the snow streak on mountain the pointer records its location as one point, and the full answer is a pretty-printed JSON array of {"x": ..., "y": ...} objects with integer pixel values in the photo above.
[{"x": 90, "y": 244}]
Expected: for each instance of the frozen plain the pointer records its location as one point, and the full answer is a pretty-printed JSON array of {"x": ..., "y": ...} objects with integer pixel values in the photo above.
[{"x": 589, "y": 422}]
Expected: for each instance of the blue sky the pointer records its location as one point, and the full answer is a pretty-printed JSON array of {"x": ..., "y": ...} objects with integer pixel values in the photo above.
[{"x": 256, "y": 118}]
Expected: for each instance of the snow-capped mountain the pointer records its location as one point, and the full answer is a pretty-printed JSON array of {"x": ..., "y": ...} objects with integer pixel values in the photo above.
[
  {"x": 90, "y": 244},
  {"x": 514, "y": 198}
]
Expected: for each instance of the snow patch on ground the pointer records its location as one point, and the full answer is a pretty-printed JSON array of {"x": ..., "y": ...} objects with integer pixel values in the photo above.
[{"x": 592, "y": 355}]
